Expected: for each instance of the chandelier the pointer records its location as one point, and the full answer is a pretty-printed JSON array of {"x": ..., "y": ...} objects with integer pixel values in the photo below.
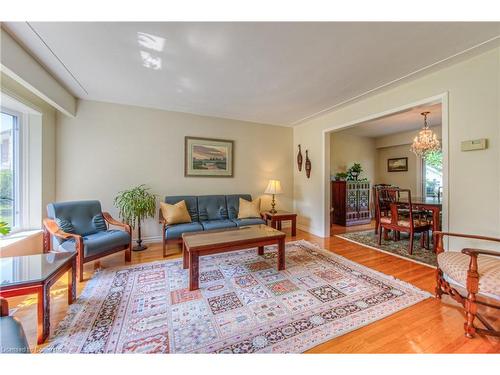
[{"x": 426, "y": 141}]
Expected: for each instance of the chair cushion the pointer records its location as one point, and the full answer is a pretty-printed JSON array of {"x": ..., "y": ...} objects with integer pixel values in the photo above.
[
  {"x": 12, "y": 337},
  {"x": 404, "y": 222},
  {"x": 79, "y": 213},
  {"x": 99, "y": 222},
  {"x": 191, "y": 204},
  {"x": 249, "y": 209},
  {"x": 233, "y": 204},
  {"x": 173, "y": 232},
  {"x": 455, "y": 266},
  {"x": 244, "y": 222},
  {"x": 212, "y": 207},
  {"x": 218, "y": 224},
  {"x": 175, "y": 213},
  {"x": 99, "y": 242}
]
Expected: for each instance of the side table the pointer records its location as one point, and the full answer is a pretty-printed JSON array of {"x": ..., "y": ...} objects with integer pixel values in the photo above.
[
  {"x": 276, "y": 218},
  {"x": 35, "y": 274}
]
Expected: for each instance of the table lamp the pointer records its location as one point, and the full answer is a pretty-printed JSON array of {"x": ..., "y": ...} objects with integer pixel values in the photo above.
[{"x": 273, "y": 187}]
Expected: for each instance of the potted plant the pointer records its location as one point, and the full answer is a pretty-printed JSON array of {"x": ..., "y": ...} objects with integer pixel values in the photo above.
[
  {"x": 355, "y": 171},
  {"x": 134, "y": 205}
]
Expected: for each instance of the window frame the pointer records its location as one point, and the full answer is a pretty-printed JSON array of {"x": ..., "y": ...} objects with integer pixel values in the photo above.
[{"x": 18, "y": 193}]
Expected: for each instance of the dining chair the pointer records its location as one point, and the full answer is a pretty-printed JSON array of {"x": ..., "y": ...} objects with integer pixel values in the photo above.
[{"x": 401, "y": 217}]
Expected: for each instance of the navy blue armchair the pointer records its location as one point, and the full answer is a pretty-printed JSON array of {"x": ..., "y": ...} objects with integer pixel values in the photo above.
[{"x": 81, "y": 226}]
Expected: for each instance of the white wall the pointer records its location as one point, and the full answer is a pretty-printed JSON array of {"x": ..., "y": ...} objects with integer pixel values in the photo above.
[
  {"x": 109, "y": 147},
  {"x": 398, "y": 146},
  {"x": 347, "y": 149},
  {"x": 473, "y": 112}
]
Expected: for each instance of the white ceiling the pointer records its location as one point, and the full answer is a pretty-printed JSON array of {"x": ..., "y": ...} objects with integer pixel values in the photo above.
[
  {"x": 277, "y": 73},
  {"x": 398, "y": 122}
]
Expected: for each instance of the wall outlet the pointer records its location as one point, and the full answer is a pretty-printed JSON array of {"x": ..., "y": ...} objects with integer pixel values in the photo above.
[{"x": 473, "y": 145}]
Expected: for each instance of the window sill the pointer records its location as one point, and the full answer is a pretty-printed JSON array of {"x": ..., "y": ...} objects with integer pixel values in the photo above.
[{"x": 17, "y": 238}]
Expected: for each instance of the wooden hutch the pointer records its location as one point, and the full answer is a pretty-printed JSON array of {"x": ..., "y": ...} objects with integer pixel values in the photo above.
[{"x": 350, "y": 202}]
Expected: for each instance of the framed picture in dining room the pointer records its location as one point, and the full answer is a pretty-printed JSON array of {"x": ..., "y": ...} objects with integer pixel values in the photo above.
[
  {"x": 208, "y": 157},
  {"x": 397, "y": 165}
]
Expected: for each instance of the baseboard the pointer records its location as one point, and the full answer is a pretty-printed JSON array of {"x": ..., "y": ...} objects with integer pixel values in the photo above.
[{"x": 151, "y": 239}]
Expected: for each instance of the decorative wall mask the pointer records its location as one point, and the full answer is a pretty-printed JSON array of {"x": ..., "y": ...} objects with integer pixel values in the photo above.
[
  {"x": 299, "y": 159},
  {"x": 308, "y": 165}
]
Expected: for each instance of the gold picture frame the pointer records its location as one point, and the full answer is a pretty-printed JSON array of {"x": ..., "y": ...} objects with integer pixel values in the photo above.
[{"x": 208, "y": 157}]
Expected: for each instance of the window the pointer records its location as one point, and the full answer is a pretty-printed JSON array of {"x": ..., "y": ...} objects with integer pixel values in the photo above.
[
  {"x": 9, "y": 168},
  {"x": 432, "y": 174}
]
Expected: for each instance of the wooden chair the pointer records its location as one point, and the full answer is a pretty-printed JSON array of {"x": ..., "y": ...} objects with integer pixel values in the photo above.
[
  {"x": 475, "y": 270},
  {"x": 383, "y": 210},
  {"x": 81, "y": 226},
  {"x": 402, "y": 217}
]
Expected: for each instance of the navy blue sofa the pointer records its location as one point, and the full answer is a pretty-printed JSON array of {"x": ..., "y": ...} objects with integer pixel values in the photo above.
[{"x": 208, "y": 212}]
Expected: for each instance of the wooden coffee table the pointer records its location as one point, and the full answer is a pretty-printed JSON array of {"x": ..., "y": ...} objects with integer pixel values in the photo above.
[
  {"x": 198, "y": 244},
  {"x": 35, "y": 274}
]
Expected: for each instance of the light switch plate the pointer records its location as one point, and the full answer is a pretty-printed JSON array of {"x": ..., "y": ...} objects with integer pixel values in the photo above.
[{"x": 473, "y": 145}]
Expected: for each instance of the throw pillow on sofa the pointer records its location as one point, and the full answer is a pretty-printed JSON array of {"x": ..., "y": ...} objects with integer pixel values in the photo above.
[
  {"x": 175, "y": 213},
  {"x": 249, "y": 209}
]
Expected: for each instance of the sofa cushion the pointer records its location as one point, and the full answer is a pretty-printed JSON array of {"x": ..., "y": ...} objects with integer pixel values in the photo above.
[
  {"x": 212, "y": 207},
  {"x": 191, "y": 204},
  {"x": 99, "y": 222},
  {"x": 12, "y": 337},
  {"x": 244, "y": 222},
  {"x": 249, "y": 209},
  {"x": 218, "y": 224},
  {"x": 455, "y": 266},
  {"x": 99, "y": 242},
  {"x": 175, "y": 213},
  {"x": 79, "y": 213},
  {"x": 173, "y": 232},
  {"x": 233, "y": 204}
]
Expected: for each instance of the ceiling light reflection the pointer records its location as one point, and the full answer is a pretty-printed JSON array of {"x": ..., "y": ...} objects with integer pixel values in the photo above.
[{"x": 150, "y": 41}]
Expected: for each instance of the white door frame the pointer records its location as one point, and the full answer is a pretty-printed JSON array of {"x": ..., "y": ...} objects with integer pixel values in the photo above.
[{"x": 441, "y": 98}]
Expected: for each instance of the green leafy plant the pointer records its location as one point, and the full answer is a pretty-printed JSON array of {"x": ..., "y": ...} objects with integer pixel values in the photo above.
[
  {"x": 354, "y": 171},
  {"x": 341, "y": 176},
  {"x": 134, "y": 205},
  {"x": 4, "y": 228}
]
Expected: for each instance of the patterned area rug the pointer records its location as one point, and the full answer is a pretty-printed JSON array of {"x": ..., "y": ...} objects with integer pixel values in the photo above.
[
  {"x": 243, "y": 305},
  {"x": 399, "y": 248}
]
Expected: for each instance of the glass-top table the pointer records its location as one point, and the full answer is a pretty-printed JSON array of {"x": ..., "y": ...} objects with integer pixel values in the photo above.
[{"x": 35, "y": 274}]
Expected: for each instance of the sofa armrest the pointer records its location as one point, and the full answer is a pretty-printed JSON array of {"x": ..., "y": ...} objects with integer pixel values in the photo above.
[
  {"x": 115, "y": 222},
  {"x": 161, "y": 219}
]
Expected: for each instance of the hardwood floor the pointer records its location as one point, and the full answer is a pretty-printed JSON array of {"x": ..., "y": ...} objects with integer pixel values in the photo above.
[{"x": 431, "y": 326}]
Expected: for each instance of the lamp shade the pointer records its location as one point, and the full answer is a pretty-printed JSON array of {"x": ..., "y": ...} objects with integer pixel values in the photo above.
[{"x": 273, "y": 187}]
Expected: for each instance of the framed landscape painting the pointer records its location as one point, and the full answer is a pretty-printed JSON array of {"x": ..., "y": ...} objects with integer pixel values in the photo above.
[
  {"x": 207, "y": 157},
  {"x": 397, "y": 165}
]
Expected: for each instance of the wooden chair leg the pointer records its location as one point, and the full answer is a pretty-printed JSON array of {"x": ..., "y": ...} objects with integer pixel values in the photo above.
[
  {"x": 427, "y": 240},
  {"x": 438, "y": 291},
  {"x": 128, "y": 253},
  {"x": 80, "y": 268},
  {"x": 422, "y": 239},
  {"x": 380, "y": 230},
  {"x": 470, "y": 302},
  {"x": 411, "y": 243}
]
